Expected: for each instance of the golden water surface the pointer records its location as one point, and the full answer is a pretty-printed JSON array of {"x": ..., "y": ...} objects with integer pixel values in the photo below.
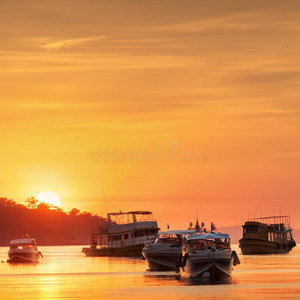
[{"x": 65, "y": 273}]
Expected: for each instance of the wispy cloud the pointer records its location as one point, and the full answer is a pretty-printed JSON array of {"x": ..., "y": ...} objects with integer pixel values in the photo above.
[
  {"x": 241, "y": 21},
  {"x": 71, "y": 42}
]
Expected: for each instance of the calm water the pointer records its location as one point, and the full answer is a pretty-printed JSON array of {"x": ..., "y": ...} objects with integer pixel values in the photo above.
[{"x": 65, "y": 272}]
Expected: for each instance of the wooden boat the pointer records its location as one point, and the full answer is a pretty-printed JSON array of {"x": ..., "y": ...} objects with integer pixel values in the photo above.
[
  {"x": 267, "y": 235},
  {"x": 23, "y": 251},
  {"x": 125, "y": 234},
  {"x": 163, "y": 253},
  {"x": 208, "y": 255}
]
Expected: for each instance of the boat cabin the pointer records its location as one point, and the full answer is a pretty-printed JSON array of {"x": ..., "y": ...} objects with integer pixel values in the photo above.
[
  {"x": 273, "y": 229},
  {"x": 125, "y": 229},
  {"x": 173, "y": 236},
  {"x": 207, "y": 241},
  {"x": 23, "y": 244}
]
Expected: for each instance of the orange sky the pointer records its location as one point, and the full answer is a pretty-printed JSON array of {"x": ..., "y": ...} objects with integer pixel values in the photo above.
[{"x": 220, "y": 80}]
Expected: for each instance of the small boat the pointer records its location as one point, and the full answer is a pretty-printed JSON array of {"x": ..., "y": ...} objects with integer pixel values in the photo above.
[
  {"x": 23, "y": 251},
  {"x": 125, "y": 234},
  {"x": 267, "y": 235},
  {"x": 163, "y": 253},
  {"x": 208, "y": 255}
]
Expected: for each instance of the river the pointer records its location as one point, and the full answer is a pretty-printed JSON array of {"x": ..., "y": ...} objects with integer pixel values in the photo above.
[{"x": 65, "y": 273}]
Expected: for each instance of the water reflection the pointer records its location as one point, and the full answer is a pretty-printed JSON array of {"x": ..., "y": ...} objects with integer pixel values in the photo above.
[
  {"x": 65, "y": 272},
  {"x": 173, "y": 278}
]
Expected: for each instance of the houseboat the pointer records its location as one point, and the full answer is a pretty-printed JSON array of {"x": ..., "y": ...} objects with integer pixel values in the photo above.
[
  {"x": 208, "y": 256},
  {"x": 267, "y": 235},
  {"x": 23, "y": 251},
  {"x": 124, "y": 235},
  {"x": 163, "y": 253}
]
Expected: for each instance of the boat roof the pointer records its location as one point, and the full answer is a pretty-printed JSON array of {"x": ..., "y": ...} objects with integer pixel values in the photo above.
[
  {"x": 273, "y": 220},
  {"x": 210, "y": 235},
  {"x": 177, "y": 232},
  {"x": 138, "y": 212},
  {"x": 22, "y": 241}
]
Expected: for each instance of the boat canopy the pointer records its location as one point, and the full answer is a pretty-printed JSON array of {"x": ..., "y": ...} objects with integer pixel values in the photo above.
[
  {"x": 177, "y": 232},
  {"x": 216, "y": 235},
  {"x": 22, "y": 241},
  {"x": 138, "y": 212}
]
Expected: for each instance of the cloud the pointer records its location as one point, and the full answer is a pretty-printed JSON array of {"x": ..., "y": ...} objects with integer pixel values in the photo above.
[
  {"x": 240, "y": 21},
  {"x": 71, "y": 42}
]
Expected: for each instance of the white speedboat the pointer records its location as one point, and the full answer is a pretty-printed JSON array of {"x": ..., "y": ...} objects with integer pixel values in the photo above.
[
  {"x": 163, "y": 253},
  {"x": 23, "y": 250},
  {"x": 208, "y": 255}
]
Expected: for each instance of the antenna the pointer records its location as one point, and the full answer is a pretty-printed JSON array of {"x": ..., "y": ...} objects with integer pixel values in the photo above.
[{"x": 259, "y": 204}]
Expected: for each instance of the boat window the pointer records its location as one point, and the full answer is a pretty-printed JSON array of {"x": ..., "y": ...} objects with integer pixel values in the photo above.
[
  {"x": 132, "y": 234},
  {"x": 136, "y": 234},
  {"x": 250, "y": 229},
  {"x": 153, "y": 231},
  {"x": 126, "y": 236},
  {"x": 147, "y": 232},
  {"x": 170, "y": 238},
  {"x": 222, "y": 243},
  {"x": 211, "y": 243},
  {"x": 141, "y": 232},
  {"x": 115, "y": 238},
  {"x": 271, "y": 236},
  {"x": 200, "y": 244}
]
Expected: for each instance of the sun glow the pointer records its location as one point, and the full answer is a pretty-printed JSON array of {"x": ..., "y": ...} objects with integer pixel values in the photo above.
[{"x": 49, "y": 197}]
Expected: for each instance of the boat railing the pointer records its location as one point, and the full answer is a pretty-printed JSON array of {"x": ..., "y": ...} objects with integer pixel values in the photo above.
[
  {"x": 97, "y": 228},
  {"x": 130, "y": 217},
  {"x": 277, "y": 222}
]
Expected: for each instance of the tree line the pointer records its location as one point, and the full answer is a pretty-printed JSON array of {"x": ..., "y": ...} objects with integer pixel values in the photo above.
[{"x": 50, "y": 225}]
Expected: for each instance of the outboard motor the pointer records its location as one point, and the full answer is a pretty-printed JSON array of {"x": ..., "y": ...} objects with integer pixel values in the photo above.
[
  {"x": 178, "y": 263},
  {"x": 185, "y": 257},
  {"x": 236, "y": 260}
]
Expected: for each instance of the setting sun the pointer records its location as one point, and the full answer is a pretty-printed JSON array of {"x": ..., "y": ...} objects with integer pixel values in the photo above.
[{"x": 49, "y": 197}]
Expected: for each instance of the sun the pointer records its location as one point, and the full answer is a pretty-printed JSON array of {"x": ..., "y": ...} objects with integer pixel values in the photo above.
[{"x": 49, "y": 197}]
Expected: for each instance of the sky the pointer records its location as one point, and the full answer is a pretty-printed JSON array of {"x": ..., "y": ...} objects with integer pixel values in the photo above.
[{"x": 184, "y": 108}]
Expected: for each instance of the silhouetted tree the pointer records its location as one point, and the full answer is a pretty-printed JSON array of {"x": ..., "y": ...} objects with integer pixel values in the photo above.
[
  {"x": 48, "y": 224},
  {"x": 44, "y": 206},
  {"x": 74, "y": 212},
  {"x": 32, "y": 202}
]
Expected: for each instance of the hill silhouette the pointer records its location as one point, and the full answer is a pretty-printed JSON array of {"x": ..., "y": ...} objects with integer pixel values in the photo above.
[{"x": 48, "y": 224}]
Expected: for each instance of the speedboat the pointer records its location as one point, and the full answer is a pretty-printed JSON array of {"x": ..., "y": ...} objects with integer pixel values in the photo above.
[
  {"x": 208, "y": 255},
  {"x": 163, "y": 253},
  {"x": 23, "y": 250}
]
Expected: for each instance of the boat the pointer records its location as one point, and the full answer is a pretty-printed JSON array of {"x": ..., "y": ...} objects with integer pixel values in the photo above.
[
  {"x": 208, "y": 255},
  {"x": 23, "y": 251},
  {"x": 124, "y": 235},
  {"x": 267, "y": 235},
  {"x": 163, "y": 253}
]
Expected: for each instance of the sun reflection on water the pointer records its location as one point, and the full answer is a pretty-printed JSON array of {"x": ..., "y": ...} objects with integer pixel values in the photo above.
[{"x": 65, "y": 272}]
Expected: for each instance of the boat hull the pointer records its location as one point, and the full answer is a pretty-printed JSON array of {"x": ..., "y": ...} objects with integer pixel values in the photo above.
[
  {"x": 256, "y": 246},
  {"x": 161, "y": 261},
  {"x": 24, "y": 257},
  {"x": 133, "y": 250},
  {"x": 214, "y": 268}
]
